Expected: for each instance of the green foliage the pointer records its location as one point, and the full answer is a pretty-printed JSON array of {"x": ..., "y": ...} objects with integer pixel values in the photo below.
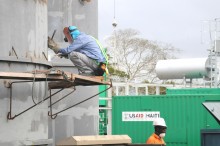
[{"x": 117, "y": 72}]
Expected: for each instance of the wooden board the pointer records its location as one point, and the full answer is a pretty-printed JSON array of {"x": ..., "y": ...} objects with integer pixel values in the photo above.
[
  {"x": 95, "y": 140},
  {"x": 58, "y": 79}
]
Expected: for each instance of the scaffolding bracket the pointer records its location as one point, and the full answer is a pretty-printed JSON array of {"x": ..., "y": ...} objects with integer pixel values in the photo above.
[
  {"x": 54, "y": 115},
  {"x": 58, "y": 80},
  {"x": 9, "y": 116}
]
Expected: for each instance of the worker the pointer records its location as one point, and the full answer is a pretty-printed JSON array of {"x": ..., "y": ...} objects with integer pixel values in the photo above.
[
  {"x": 160, "y": 131},
  {"x": 84, "y": 51}
]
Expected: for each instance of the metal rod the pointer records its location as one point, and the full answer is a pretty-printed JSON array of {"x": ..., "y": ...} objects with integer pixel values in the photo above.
[
  {"x": 74, "y": 89},
  {"x": 10, "y": 109},
  {"x": 51, "y": 116},
  {"x": 83, "y": 100},
  {"x": 14, "y": 52},
  {"x": 53, "y": 33},
  {"x": 38, "y": 103},
  {"x": 45, "y": 55},
  {"x": 9, "y": 114}
]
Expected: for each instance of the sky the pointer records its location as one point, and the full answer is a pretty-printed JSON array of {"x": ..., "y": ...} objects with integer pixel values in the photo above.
[{"x": 182, "y": 23}]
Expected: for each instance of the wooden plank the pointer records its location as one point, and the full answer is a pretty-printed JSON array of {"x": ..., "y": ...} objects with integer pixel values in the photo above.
[
  {"x": 77, "y": 82},
  {"x": 60, "y": 84},
  {"x": 59, "y": 79},
  {"x": 29, "y": 76},
  {"x": 95, "y": 140},
  {"x": 66, "y": 84}
]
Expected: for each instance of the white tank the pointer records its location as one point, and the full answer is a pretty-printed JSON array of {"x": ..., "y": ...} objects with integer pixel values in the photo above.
[{"x": 180, "y": 68}]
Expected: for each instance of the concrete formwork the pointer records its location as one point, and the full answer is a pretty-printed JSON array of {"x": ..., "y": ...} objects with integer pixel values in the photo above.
[
  {"x": 82, "y": 119},
  {"x": 24, "y": 27},
  {"x": 71, "y": 12},
  {"x": 23, "y": 43}
]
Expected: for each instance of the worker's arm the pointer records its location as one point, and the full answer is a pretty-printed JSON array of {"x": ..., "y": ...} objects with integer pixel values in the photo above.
[{"x": 77, "y": 44}]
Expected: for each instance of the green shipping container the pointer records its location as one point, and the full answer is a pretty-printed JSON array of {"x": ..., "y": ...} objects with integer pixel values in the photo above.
[
  {"x": 184, "y": 114},
  {"x": 196, "y": 91}
]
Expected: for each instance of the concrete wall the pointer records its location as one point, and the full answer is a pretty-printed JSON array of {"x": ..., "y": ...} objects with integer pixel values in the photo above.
[
  {"x": 24, "y": 27},
  {"x": 82, "y": 119},
  {"x": 72, "y": 12}
]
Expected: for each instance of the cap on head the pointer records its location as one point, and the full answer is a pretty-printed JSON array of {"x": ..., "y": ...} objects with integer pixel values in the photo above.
[
  {"x": 74, "y": 32},
  {"x": 159, "y": 122}
]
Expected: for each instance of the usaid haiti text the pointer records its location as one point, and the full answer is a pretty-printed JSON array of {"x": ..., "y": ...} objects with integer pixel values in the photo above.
[{"x": 140, "y": 116}]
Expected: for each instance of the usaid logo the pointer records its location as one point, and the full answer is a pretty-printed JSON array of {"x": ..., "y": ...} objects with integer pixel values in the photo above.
[{"x": 140, "y": 116}]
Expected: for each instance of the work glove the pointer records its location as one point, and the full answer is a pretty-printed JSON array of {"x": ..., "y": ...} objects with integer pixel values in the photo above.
[{"x": 52, "y": 45}]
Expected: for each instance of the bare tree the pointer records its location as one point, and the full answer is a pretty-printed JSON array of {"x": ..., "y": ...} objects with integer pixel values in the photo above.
[{"x": 134, "y": 55}]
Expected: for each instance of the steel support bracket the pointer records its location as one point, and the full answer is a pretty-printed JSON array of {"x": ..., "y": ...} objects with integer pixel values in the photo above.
[
  {"x": 54, "y": 115},
  {"x": 9, "y": 115}
]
